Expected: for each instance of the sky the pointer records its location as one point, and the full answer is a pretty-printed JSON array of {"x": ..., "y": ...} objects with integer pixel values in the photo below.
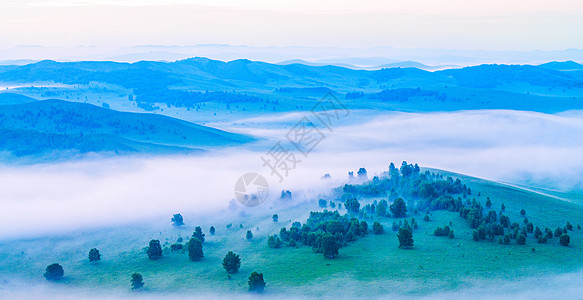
[{"x": 450, "y": 24}]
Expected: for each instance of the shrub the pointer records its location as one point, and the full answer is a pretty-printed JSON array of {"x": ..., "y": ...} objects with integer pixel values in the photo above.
[
  {"x": 322, "y": 203},
  {"x": 54, "y": 272},
  {"x": 212, "y": 230},
  {"x": 520, "y": 239},
  {"x": 451, "y": 235},
  {"x": 273, "y": 241},
  {"x": 441, "y": 231},
  {"x": 426, "y": 218},
  {"x": 275, "y": 218},
  {"x": 249, "y": 235},
  {"x": 176, "y": 247}
]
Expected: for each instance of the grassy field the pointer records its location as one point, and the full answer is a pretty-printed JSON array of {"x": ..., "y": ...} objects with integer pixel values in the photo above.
[{"x": 371, "y": 266}]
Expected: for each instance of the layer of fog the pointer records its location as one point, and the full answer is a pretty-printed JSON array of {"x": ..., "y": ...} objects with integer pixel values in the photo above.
[{"x": 519, "y": 147}]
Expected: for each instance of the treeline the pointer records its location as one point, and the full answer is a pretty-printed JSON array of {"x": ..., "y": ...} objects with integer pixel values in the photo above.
[{"x": 398, "y": 95}]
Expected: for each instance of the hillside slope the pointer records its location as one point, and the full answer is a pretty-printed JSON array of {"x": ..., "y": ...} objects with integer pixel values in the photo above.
[{"x": 55, "y": 125}]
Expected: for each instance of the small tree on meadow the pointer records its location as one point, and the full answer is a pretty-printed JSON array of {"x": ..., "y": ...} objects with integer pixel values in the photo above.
[
  {"x": 256, "y": 282},
  {"x": 154, "y": 250},
  {"x": 54, "y": 272},
  {"x": 520, "y": 239},
  {"x": 377, "y": 228},
  {"x": 249, "y": 235},
  {"x": 137, "y": 281},
  {"x": 231, "y": 262},
  {"x": 212, "y": 230},
  {"x": 565, "y": 239},
  {"x": 275, "y": 218},
  {"x": 405, "y": 237},
  {"x": 195, "y": 249},
  {"x": 177, "y": 220},
  {"x": 94, "y": 255}
]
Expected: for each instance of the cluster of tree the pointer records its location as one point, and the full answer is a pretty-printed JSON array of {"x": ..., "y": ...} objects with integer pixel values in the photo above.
[
  {"x": 190, "y": 99},
  {"x": 399, "y": 95},
  {"x": 324, "y": 231},
  {"x": 445, "y": 231}
]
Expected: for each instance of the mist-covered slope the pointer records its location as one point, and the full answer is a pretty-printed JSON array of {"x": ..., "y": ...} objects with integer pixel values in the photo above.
[{"x": 55, "y": 125}]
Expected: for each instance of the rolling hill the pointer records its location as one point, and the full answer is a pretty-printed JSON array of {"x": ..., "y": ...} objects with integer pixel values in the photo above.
[{"x": 42, "y": 127}]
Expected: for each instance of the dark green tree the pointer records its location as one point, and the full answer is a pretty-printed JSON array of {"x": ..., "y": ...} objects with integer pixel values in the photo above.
[
  {"x": 488, "y": 203},
  {"x": 405, "y": 237},
  {"x": 330, "y": 246},
  {"x": 520, "y": 239},
  {"x": 273, "y": 241},
  {"x": 212, "y": 230},
  {"x": 231, "y": 262},
  {"x": 249, "y": 235},
  {"x": 94, "y": 255},
  {"x": 256, "y": 282},
  {"x": 352, "y": 205},
  {"x": 382, "y": 208},
  {"x": 137, "y": 281},
  {"x": 177, "y": 220},
  {"x": 565, "y": 239},
  {"x": 198, "y": 234},
  {"x": 154, "y": 250},
  {"x": 377, "y": 228},
  {"x": 399, "y": 208},
  {"x": 195, "y": 249},
  {"x": 523, "y": 212},
  {"x": 54, "y": 272},
  {"x": 275, "y": 218}
]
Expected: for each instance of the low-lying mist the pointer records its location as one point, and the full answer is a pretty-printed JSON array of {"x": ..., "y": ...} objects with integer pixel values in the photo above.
[{"x": 519, "y": 147}]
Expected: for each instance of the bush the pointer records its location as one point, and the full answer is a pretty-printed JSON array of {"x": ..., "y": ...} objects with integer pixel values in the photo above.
[
  {"x": 176, "y": 247},
  {"x": 256, "y": 282},
  {"x": 94, "y": 255},
  {"x": 451, "y": 235},
  {"x": 177, "y": 220},
  {"x": 137, "y": 281},
  {"x": 542, "y": 239},
  {"x": 54, "y": 272},
  {"x": 249, "y": 235},
  {"x": 154, "y": 250},
  {"x": 329, "y": 246},
  {"x": 441, "y": 231},
  {"x": 195, "y": 249},
  {"x": 565, "y": 239},
  {"x": 377, "y": 228},
  {"x": 322, "y": 203},
  {"x": 212, "y": 230},
  {"x": 275, "y": 218},
  {"x": 426, "y": 218},
  {"x": 231, "y": 262}
]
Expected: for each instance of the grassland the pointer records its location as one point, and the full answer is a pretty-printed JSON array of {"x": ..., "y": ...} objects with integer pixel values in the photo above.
[{"x": 371, "y": 266}]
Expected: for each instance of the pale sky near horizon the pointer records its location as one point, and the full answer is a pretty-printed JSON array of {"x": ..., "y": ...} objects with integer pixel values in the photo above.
[{"x": 452, "y": 24}]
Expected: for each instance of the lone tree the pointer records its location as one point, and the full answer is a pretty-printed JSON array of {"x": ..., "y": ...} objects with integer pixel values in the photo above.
[
  {"x": 256, "y": 282},
  {"x": 54, "y": 272},
  {"x": 177, "y": 220},
  {"x": 377, "y": 228},
  {"x": 399, "y": 208},
  {"x": 212, "y": 230},
  {"x": 405, "y": 237},
  {"x": 330, "y": 246},
  {"x": 195, "y": 249},
  {"x": 231, "y": 262},
  {"x": 520, "y": 239},
  {"x": 249, "y": 235},
  {"x": 154, "y": 250},
  {"x": 94, "y": 255},
  {"x": 565, "y": 239},
  {"x": 275, "y": 218},
  {"x": 198, "y": 234},
  {"x": 137, "y": 281},
  {"x": 488, "y": 203}
]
